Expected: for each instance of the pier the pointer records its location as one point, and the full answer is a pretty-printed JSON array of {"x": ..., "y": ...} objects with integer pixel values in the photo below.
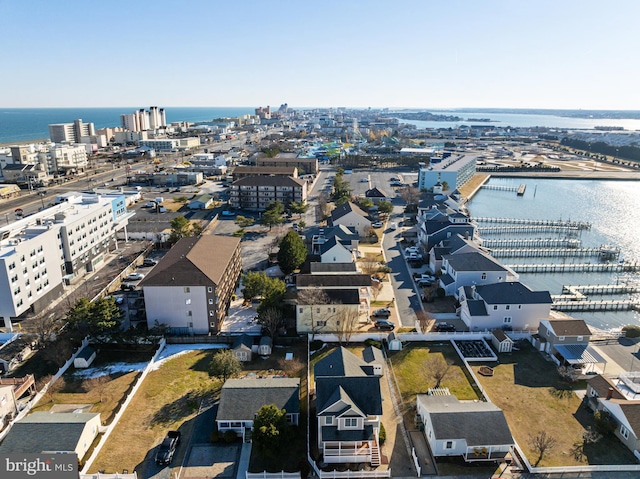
[
  {"x": 603, "y": 305},
  {"x": 601, "y": 252},
  {"x": 521, "y": 189},
  {"x": 537, "y": 229},
  {"x": 580, "y": 225},
  {"x": 500, "y": 188},
  {"x": 532, "y": 243},
  {"x": 601, "y": 289},
  {"x": 575, "y": 267}
]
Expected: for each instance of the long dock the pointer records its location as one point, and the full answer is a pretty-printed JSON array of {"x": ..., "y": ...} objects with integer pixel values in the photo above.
[
  {"x": 577, "y": 267},
  {"x": 489, "y": 230},
  {"x": 581, "y": 225},
  {"x": 601, "y": 289},
  {"x": 552, "y": 252},
  {"x": 532, "y": 242},
  {"x": 500, "y": 188},
  {"x": 603, "y": 305}
]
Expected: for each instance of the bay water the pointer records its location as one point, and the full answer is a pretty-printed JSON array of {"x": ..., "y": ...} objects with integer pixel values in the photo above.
[{"x": 613, "y": 209}]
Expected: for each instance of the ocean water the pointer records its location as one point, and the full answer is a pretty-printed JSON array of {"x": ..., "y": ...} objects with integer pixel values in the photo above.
[
  {"x": 523, "y": 120},
  {"x": 27, "y": 124},
  {"x": 613, "y": 209}
]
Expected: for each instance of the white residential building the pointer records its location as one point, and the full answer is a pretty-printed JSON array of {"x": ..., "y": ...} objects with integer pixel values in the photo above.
[
  {"x": 68, "y": 158},
  {"x": 474, "y": 268},
  {"x": 42, "y": 252}
]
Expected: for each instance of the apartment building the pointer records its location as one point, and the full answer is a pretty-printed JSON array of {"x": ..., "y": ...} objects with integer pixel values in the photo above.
[
  {"x": 306, "y": 166},
  {"x": 456, "y": 170},
  {"x": 70, "y": 132},
  {"x": 256, "y": 192},
  {"x": 41, "y": 253},
  {"x": 68, "y": 158},
  {"x": 190, "y": 289}
]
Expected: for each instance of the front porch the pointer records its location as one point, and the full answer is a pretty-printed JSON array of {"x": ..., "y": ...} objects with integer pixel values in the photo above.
[
  {"x": 351, "y": 452},
  {"x": 488, "y": 454}
]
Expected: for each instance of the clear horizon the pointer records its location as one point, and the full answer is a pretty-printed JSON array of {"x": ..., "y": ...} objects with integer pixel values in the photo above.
[{"x": 461, "y": 54}]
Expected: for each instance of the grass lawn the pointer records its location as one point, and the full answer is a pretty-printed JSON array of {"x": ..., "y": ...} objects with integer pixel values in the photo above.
[
  {"x": 533, "y": 397},
  {"x": 414, "y": 378},
  {"x": 168, "y": 398}
]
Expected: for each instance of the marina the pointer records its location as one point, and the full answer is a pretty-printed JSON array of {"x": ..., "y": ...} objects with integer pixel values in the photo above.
[
  {"x": 534, "y": 229},
  {"x": 574, "y": 267},
  {"x": 532, "y": 242},
  {"x": 601, "y": 252},
  {"x": 579, "y": 225}
]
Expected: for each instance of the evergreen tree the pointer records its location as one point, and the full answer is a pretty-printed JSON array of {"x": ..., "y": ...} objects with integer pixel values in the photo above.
[{"x": 292, "y": 252}]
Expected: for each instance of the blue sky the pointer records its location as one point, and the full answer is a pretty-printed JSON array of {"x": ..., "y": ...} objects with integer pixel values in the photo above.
[{"x": 395, "y": 53}]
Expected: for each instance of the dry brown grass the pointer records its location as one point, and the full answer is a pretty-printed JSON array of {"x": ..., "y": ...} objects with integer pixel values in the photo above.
[
  {"x": 80, "y": 392},
  {"x": 533, "y": 397},
  {"x": 470, "y": 186}
]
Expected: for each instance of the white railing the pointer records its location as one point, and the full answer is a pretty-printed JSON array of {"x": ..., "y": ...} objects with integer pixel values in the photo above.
[
  {"x": 352, "y": 474},
  {"x": 115, "y": 475},
  {"x": 416, "y": 462}
]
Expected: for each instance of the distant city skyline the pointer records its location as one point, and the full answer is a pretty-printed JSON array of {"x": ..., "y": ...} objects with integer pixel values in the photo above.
[{"x": 406, "y": 54}]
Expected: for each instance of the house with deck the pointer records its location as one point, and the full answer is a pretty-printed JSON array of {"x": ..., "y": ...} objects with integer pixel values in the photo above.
[
  {"x": 473, "y": 268},
  {"x": 351, "y": 215},
  {"x": 476, "y": 431},
  {"x": 348, "y": 408}
]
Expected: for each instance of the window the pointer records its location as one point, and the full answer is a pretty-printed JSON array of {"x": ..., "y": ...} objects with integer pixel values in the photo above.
[
  {"x": 624, "y": 432},
  {"x": 187, "y": 289},
  {"x": 224, "y": 424},
  {"x": 187, "y": 301},
  {"x": 351, "y": 422},
  {"x": 560, "y": 338},
  {"x": 495, "y": 307},
  {"x": 213, "y": 325},
  {"x": 507, "y": 319},
  {"x": 328, "y": 420},
  {"x": 579, "y": 338},
  {"x": 210, "y": 300},
  {"x": 508, "y": 307},
  {"x": 321, "y": 323},
  {"x": 209, "y": 289},
  {"x": 211, "y": 312},
  {"x": 484, "y": 276},
  {"x": 189, "y": 313},
  {"x": 301, "y": 310},
  {"x": 519, "y": 306},
  {"x": 449, "y": 445}
]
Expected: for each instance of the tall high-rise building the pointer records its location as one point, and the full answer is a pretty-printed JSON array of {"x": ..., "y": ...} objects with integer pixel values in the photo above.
[
  {"x": 142, "y": 120},
  {"x": 70, "y": 132}
]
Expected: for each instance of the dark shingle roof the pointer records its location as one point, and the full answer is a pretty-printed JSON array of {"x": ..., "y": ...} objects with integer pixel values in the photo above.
[
  {"x": 473, "y": 262},
  {"x": 512, "y": 292},
  {"x": 345, "y": 208},
  {"x": 319, "y": 268},
  {"x": 241, "y": 399},
  {"x": 601, "y": 385},
  {"x": 363, "y": 392},
  {"x": 44, "y": 431},
  {"x": 479, "y": 423},
  {"x": 242, "y": 340},
  {"x": 194, "y": 261},
  {"x": 332, "y": 280},
  {"x": 376, "y": 192},
  {"x": 476, "y": 307},
  {"x": 371, "y": 354},
  {"x": 340, "y": 362},
  {"x": 264, "y": 180},
  {"x": 631, "y": 410}
]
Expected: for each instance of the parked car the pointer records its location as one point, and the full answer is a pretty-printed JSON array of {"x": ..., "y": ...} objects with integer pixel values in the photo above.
[
  {"x": 150, "y": 204},
  {"x": 228, "y": 213},
  {"x": 412, "y": 249},
  {"x": 134, "y": 276},
  {"x": 393, "y": 226},
  {"x": 413, "y": 257},
  {"x": 385, "y": 324},
  {"x": 376, "y": 224},
  {"x": 167, "y": 448},
  {"x": 128, "y": 287},
  {"x": 444, "y": 327},
  {"x": 424, "y": 283},
  {"x": 364, "y": 180},
  {"x": 426, "y": 277},
  {"x": 149, "y": 262},
  {"x": 382, "y": 312}
]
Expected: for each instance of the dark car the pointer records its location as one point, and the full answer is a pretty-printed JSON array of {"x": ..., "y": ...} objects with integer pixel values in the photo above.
[
  {"x": 168, "y": 447},
  {"x": 149, "y": 262},
  {"x": 382, "y": 313},
  {"x": 384, "y": 324},
  {"x": 444, "y": 327},
  {"x": 127, "y": 287}
]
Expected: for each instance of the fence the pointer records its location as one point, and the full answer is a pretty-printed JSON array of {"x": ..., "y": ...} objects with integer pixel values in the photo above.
[
  {"x": 416, "y": 463},
  {"x": 272, "y": 475},
  {"x": 123, "y": 408}
]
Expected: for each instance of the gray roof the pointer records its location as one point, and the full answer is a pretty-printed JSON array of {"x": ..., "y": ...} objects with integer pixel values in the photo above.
[
  {"x": 86, "y": 352},
  {"x": 318, "y": 268},
  {"x": 371, "y": 354},
  {"x": 363, "y": 393},
  {"x": 512, "y": 292},
  {"x": 330, "y": 243},
  {"x": 331, "y": 433},
  {"x": 269, "y": 180},
  {"x": 45, "y": 431},
  {"x": 343, "y": 232},
  {"x": 332, "y": 280},
  {"x": 479, "y": 423},
  {"x": 345, "y": 208},
  {"x": 476, "y": 307},
  {"x": 241, "y": 399},
  {"x": 473, "y": 262},
  {"x": 242, "y": 340},
  {"x": 340, "y": 362}
]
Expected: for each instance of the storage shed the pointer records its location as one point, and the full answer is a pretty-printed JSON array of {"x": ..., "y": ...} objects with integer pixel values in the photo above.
[
  {"x": 242, "y": 348},
  {"x": 502, "y": 342},
  {"x": 394, "y": 342},
  {"x": 84, "y": 357},
  {"x": 264, "y": 348}
]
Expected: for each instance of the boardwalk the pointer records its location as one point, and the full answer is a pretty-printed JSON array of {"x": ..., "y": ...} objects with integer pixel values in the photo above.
[
  {"x": 581, "y": 225},
  {"x": 577, "y": 267}
]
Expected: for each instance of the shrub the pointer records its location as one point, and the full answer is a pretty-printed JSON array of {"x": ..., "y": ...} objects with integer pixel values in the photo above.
[
  {"x": 373, "y": 342},
  {"x": 230, "y": 436},
  {"x": 385, "y": 269},
  {"x": 214, "y": 436},
  {"x": 304, "y": 468},
  {"x": 631, "y": 331},
  {"x": 440, "y": 293},
  {"x": 383, "y": 434}
]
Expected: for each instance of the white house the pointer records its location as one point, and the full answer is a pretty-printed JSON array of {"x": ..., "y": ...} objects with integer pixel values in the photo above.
[
  {"x": 507, "y": 305},
  {"x": 241, "y": 399},
  {"x": 456, "y": 244},
  {"x": 468, "y": 269},
  {"x": 351, "y": 215},
  {"x": 477, "y": 431},
  {"x": 333, "y": 251}
]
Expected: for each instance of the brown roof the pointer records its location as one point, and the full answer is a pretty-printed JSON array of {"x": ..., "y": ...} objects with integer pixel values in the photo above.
[
  {"x": 601, "y": 385},
  {"x": 195, "y": 261},
  {"x": 265, "y": 170},
  {"x": 333, "y": 280},
  {"x": 631, "y": 410},
  {"x": 500, "y": 335},
  {"x": 268, "y": 180},
  {"x": 570, "y": 327}
]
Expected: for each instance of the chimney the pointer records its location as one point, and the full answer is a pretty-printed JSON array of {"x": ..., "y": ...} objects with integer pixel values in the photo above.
[{"x": 609, "y": 393}]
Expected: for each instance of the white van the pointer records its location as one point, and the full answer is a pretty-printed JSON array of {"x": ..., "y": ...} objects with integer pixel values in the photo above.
[{"x": 393, "y": 226}]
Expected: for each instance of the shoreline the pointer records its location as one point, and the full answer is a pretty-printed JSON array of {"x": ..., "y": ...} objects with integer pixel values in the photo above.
[
  {"x": 24, "y": 142},
  {"x": 572, "y": 175}
]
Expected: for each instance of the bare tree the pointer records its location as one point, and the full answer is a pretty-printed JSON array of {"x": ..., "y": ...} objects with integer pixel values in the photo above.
[
  {"x": 271, "y": 320},
  {"x": 369, "y": 265},
  {"x": 424, "y": 320},
  {"x": 347, "y": 321},
  {"x": 568, "y": 373},
  {"x": 437, "y": 368},
  {"x": 314, "y": 297},
  {"x": 541, "y": 443},
  {"x": 291, "y": 367},
  {"x": 99, "y": 384},
  {"x": 589, "y": 436},
  {"x": 323, "y": 205},
  {"x": 45, "y": 327},
  {"x": 54, "y": 388},
  {"x": 376, "y": 289},
  {"x": 410, "y": 194}
]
